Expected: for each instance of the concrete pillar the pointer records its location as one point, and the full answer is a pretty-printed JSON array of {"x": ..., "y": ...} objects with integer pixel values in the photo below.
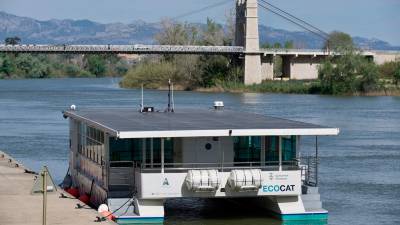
[
  {"x": 267, "y": 67},
  {"x": 247, "y": 27},
  {"x": 304, "y": 67}
]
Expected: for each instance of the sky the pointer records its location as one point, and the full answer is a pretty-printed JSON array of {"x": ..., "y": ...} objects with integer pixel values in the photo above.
[{"x": 366, "y": 18}]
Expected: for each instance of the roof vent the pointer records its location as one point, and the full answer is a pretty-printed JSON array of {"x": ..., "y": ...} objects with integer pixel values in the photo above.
[
  {"x": 218, "y": 105},
  {"x": 148, "y": 109}
]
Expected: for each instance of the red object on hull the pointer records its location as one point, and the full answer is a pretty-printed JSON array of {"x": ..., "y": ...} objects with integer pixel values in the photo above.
[
  {"x": 85, "y": 199},
  {"x": 73, "y": 191}
]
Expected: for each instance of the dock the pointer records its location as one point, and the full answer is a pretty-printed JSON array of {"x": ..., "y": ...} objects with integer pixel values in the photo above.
[{"x": 19, "y": 207}]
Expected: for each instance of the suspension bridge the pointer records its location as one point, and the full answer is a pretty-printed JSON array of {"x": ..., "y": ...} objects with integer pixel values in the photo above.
[{"x": 258, "y": 63}]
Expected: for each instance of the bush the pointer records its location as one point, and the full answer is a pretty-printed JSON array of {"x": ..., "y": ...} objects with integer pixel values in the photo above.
[
  {"x": 348, "y": 74},
  {"x": 397, "y": 75},
  {"x": 388, "y": 69},
  {"x": 292, "y": 86},
  {"x": 369, "y": 80},
  {"x": 150, "y": 74}
]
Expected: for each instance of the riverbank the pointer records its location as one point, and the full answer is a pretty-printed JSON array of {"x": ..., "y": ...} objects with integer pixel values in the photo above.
[
  {"x": 279, "y": 87},
  {"x": 18, "y": 206},
  {"x": 294, "y": 87}
]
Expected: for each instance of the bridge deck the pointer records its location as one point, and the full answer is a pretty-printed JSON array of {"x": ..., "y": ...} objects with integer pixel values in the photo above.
[{"x": 122, "y": 49}]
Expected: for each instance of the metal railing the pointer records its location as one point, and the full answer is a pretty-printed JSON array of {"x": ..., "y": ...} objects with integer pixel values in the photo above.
[
  {"x": 309, "y": 170},
  {"x": 226, "y": 166},
  {"x": 123, "y": 49}
]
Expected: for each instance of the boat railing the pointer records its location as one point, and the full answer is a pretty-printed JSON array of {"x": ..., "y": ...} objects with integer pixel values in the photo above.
[
  {"x": 224, "y": 167},
  {"x": 309, "y": 170}
]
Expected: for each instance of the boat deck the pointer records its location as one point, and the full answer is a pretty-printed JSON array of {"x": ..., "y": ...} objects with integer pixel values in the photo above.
[{"x": 18, "y": 206}]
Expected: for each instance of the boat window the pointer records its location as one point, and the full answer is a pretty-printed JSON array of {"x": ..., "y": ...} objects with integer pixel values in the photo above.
[
  {"x": 247, "y": 149},
  {"x": 288, "y": 148},
  {"x": 168, "y": 151},
  {"x": 125, "y": 151},
  {"x": 271, "y": 149},
  {"x": 91, "y": 143}
]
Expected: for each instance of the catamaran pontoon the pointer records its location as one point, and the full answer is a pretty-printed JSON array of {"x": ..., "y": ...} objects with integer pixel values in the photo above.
[{"x": 133, "y": 160}]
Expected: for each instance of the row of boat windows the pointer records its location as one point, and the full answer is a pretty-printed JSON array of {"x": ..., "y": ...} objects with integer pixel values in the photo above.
[
  {"x": 128, "y": 150},
  {"x": 246, "y": 149},
  {"x": 91, "y": 143}
]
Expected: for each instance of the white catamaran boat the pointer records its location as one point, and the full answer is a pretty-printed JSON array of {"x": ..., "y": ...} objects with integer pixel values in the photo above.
[{"x": 130, "y": 161}]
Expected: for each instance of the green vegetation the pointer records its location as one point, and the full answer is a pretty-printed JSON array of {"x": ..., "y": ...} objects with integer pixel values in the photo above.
[
  {"x": 187, "y": 71},
  {"x": 12, "y": 40},
  {"x": 16, "y": 66},
  {"x": 353, "y": 73},
  {"x": 276, "y": 86},
  {"x": 286, "y": 45},
  {"x": 339, "y": 41}
]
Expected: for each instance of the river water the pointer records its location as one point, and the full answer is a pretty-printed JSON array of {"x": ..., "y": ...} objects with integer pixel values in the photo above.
[{"x": 359, "y": 171}]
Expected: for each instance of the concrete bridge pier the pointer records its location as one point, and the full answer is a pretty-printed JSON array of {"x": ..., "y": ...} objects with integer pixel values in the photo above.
[
  {"x": 301, "y": 67},
  {"x": 247, "y": 35},
  {"x": 267, "y": 67}
]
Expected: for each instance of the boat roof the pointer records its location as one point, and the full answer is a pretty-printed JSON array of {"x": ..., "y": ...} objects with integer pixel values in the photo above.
[{"x": 130, "y": 123}]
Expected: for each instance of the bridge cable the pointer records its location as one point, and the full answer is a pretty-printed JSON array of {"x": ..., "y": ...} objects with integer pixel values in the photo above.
[
  {"x": 294, "y": 22},
  {"x": 201, "y": 9},
  {"x": 296, "y": 18}
]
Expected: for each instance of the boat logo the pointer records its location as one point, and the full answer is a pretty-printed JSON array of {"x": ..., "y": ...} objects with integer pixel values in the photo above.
[{"x": 166, "y": 182}]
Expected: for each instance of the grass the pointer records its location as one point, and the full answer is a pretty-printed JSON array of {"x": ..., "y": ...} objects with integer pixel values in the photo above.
[{"x": 292, "y": 86}]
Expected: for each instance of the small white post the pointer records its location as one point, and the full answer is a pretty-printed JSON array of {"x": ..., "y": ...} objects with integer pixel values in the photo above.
[
  {"x": 151, "y": 153},
  {"x": 280, "y": 153},
  {"x": 162, "y": 155},
  {"x": 144, "y": 152},
  {"x": 262, "y": 151}
]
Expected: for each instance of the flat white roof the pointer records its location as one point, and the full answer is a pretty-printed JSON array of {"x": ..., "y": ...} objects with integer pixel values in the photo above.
[{"x": 129, "y": 123}]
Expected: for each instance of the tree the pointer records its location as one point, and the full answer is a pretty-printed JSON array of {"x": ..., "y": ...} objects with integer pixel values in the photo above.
[
  {"x": 289, "y": 45},
  {"x": 12, "y": 40},
  {"x": 397, "y": 75},
  {"x": 213, "y": 34},
  {"x": 349, "y": 73},
  {"x": 174, "y": 33},
  {"x": 96, "y": 65},
  {"x": 265, "y": 45},
  {"x": 339, "y": 41},
  {"x": 277, "y": 45},
  {"x": 7, "y": 67},
  {"x": 369, "y": 79}
]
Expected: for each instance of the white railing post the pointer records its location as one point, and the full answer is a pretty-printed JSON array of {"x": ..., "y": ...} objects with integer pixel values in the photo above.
[{"x": 162, "y": 155}]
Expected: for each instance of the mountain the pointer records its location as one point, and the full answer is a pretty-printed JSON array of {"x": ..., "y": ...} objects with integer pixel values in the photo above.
[{"x": 67, "y": 31}]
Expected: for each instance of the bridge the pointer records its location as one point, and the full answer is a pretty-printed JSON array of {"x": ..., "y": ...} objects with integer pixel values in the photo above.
[
  {"x": 299, "y": 64},
  {"x": 122, "y": 49}
]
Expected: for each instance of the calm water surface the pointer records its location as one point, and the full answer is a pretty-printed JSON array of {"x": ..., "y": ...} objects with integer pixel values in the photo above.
[{"x": 360, "y": 168}]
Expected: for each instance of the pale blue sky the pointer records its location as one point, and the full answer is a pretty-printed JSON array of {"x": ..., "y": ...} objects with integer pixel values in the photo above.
[{"x": 367, "y": 18}]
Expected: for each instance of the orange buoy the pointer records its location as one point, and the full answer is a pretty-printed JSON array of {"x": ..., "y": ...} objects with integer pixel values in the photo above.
[
  {"x": 85, "y": 199},
  {"x": 73, "y": 191},
  {"x": 104, "y": 211},
  {"x": 108, "y": 215}
]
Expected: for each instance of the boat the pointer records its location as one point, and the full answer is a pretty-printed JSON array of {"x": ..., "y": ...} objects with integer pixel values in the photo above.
[{"x": 130, "y": 161}]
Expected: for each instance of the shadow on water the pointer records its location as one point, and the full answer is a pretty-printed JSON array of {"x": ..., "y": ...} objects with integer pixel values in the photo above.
[{"x": 219, "y": 212}]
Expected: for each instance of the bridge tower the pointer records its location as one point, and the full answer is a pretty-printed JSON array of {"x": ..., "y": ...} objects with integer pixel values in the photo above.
[{"x": 247, "y": 35}]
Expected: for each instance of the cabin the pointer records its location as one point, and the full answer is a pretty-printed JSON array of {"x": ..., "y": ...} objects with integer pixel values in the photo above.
[{"x": 133, "y": 160}]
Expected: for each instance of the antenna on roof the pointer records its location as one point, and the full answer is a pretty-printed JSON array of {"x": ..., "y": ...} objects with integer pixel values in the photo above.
[
  {"x": 142, "y": 103},
  {"x": 173, "y": 101},
  {"x": 170, "y": 97}
]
